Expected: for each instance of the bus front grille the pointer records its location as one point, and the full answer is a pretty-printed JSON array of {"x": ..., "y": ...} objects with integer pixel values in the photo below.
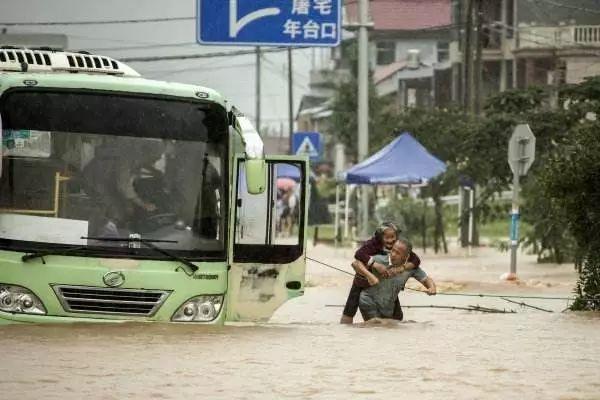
[{"x": 92, "y": 300}]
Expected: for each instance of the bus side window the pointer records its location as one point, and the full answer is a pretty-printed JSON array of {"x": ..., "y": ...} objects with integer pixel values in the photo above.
[
  {"x": 269, "y": 226},
  {"x": 251, "y": 213},
  {"x": 288, "y": 194}
]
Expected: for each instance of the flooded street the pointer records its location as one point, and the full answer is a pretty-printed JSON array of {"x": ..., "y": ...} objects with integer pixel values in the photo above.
[{"x": 304, "y": 353}]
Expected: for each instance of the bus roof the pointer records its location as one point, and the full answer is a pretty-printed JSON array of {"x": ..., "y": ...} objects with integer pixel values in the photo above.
[{"x": 61, "y": 69}]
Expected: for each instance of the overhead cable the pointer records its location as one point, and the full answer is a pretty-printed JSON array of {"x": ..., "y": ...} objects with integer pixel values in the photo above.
[
  {"x": 203, "y": 55},
  {"x": 100, "y": 22}
]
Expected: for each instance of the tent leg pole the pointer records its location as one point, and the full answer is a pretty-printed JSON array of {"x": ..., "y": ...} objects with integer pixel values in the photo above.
[
  {"x": 471, "y": 205},
  {"x": 424, "y": 226},
  {"x": 364, "y": 212},
  {"x": 346, "y": 204},
  {"x": 460, "y": 197},
  {"x": 336, "y": 227}
]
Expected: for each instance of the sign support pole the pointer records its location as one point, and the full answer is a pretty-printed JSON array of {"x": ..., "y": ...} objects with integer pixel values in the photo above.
[
  {"x": 290, "y": 97},
  {"x": 521, "y": 154},
  {"x": 514, "y": 228}
]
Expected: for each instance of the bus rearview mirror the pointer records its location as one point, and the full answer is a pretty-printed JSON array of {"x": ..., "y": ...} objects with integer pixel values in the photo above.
[{"x": 256, "y": 175}]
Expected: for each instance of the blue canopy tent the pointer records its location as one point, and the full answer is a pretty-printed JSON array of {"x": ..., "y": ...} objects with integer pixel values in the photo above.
[{"x": 403, "y": 161}]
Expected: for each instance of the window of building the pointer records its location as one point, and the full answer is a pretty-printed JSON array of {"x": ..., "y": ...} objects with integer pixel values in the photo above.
[
  {"x": 443, "y": 51},
  {"x": 386, "y": 52}
]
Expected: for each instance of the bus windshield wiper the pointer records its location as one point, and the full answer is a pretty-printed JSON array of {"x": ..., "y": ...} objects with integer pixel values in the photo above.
[
  {"x": 42, "y": 254},
  {"x": 150, "y": 244}
]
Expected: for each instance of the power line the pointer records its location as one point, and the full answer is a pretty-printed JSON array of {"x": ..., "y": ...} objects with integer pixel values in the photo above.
[
  {"x": 165, "y": 73},
  {"x": 275, "y": 68},
  {"x": 502, "y": 296},
  {"x": 101, "y": 22},
  {"x": 203, "y": 55},
  {"x": 143, "y": 47},
  {"x": 111, "y": 39}
]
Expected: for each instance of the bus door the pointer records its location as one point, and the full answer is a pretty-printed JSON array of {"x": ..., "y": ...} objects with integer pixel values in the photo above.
[{"x": 268, "y": 240}]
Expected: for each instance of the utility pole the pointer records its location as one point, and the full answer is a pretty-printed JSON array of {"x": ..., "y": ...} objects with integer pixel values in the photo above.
[
  {"x": 363, "y": 105},
  {"x": 468, "y": 56},
  {"x": 503, "y": 66},
  {"x": 258, "y": 89},
  {"x": 466, "y": 102},
  {"x": 478, "y": 61},
  {"x": 515, "y": 76},
  {"x": 290, "y": 98}
]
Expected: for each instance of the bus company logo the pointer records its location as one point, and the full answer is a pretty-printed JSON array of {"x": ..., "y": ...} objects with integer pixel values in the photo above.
[
  {"x": 113, "y": 279},
  {"x": 207, "y": 276}
]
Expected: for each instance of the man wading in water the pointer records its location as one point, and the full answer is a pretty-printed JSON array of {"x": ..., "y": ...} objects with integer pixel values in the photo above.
[
  {"x": 378, "y": 300},
  {"x": 380, "y": 243}
]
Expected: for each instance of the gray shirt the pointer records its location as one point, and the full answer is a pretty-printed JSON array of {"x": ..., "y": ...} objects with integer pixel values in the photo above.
[{"x": 378, "y": 301}]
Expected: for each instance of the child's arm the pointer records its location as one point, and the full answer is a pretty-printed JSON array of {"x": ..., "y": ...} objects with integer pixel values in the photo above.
[
  {"x": 360, "y": 268},
  {"x": 413, "y": 261},
  {"x": 366, "y": 252}
]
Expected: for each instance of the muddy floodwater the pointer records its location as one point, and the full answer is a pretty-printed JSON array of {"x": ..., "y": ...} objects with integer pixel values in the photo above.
[{"x": 303, "y": 353}]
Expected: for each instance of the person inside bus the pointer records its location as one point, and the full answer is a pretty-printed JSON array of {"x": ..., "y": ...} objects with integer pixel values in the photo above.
[
  {"x": 381, "y": 243},
  {"x": 379, "y": 300},
  {"x": 110, "y": 180},
  {"x": 194, "y": 184},
  {"x": 206, "y": 217}
]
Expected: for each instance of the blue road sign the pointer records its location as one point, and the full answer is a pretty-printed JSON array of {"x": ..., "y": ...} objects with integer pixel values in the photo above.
[
  {"x": 269, "y": 22},
  {"x": 307, "y": 143}
]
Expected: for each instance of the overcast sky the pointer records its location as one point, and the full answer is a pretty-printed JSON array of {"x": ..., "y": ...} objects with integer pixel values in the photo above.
[{"x": 234, "y": 77}]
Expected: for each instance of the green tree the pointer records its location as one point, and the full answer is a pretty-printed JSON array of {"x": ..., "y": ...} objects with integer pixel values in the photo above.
[
  {"x": 548, "y": 235},
  {"x": 572, "y": 183}
]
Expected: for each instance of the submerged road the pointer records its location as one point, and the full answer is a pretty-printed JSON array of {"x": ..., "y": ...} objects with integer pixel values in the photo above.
[{"x": 304, "y": 353}]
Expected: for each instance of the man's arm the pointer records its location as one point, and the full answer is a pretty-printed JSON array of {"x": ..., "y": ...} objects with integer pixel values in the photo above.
[
  {"x": 125, "y": 187},
  {"x": 360, "y": 268},
  {"x": 430, "y": 285}
]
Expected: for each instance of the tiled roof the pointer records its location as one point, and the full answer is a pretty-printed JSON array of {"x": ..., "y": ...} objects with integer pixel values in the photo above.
[
  {"x": 404, "y": 15},
  {"x": 386, "y": 71}
]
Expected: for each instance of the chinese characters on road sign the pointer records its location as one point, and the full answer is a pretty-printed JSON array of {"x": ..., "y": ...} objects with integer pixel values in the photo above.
[
  {"x": 310, "y": 29},
  {"x": 269, "y": 22}
]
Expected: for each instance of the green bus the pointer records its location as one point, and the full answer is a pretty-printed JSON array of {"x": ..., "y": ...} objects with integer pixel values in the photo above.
[{"x": 127, "y": 199}]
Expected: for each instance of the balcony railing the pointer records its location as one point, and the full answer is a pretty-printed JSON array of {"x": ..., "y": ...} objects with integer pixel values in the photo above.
[
  {"x": 559, "y": 36},
  {"x": 587, "y": 34}
]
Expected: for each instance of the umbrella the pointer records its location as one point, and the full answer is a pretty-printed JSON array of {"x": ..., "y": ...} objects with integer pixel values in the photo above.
[{"x": 285, "y": 183}]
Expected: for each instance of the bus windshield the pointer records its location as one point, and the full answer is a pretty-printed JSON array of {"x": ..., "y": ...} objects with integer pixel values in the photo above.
[{"x": 83, "y": 165}]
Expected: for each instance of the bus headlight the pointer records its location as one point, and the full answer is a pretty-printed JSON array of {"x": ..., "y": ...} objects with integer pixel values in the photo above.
[
  {"x": 17, "y": 299},
  {"x": 199, "y": 309}
]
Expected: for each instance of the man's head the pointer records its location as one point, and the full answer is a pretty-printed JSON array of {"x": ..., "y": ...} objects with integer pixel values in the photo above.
[{"x": 400, "y": 251}]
